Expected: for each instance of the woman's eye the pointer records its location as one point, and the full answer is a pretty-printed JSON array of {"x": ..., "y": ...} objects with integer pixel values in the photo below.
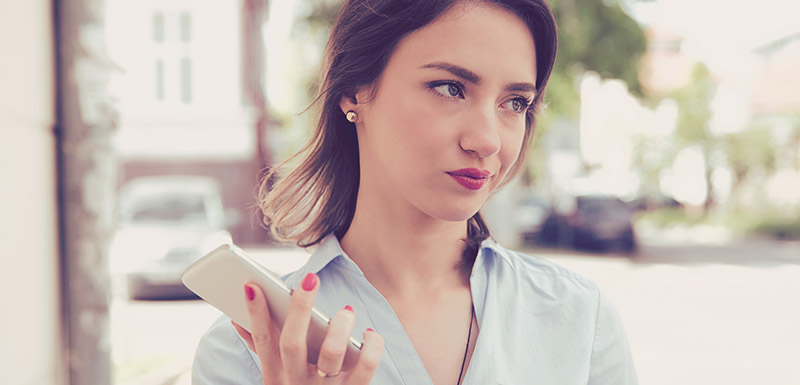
[
  {"x": 452, "y": 90},
  {"x": 517, "y": 104}
]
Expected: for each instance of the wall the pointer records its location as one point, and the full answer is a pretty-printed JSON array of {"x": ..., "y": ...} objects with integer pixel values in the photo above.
[{"x": 29, "y": 292}]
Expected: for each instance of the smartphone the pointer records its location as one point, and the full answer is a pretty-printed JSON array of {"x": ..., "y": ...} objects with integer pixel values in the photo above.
[{"x": 219, "y": 278}]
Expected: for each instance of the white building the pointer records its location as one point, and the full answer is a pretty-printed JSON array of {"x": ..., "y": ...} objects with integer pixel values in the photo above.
[
  {"x": 182, "y": 98},
  {"x": 180, "y": 87}
]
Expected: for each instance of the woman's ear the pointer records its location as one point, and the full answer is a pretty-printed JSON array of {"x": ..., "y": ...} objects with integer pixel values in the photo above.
[
  {"x": 348, "y": 103},
  {"x": 356, "y": 102}
]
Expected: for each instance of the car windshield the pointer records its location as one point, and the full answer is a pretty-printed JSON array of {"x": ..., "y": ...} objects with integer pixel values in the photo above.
[
  {"x": 169, "y": 209},
  {"x": 602, "y": 207},
  {"x": 533, "y": 201}
]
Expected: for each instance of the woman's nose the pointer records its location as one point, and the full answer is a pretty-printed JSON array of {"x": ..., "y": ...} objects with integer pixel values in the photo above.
[{"x": 480, "y": 134}]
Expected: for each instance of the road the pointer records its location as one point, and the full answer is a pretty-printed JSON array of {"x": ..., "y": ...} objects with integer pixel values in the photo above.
[
  {"x": 701, "y": 314},
  {"x": 695, "y": 314}
]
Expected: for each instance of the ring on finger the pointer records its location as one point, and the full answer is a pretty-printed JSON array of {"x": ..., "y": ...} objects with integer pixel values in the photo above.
[{"x": 326, "y": 375}]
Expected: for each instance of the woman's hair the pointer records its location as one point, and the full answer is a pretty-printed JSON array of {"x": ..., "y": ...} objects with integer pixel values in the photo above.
[{"x": 319, "y": 196}]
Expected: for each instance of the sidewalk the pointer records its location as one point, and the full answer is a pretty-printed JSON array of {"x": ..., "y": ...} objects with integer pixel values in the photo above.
[{"x": 703, "y": 234}]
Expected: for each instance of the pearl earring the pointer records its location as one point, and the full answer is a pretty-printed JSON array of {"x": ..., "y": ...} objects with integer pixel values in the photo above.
[{"x": 351, "y": 116}]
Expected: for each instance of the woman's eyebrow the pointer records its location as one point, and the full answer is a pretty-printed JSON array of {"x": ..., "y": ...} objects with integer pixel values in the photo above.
[
  {"x": 475, "y": 78},
  {"x": 521, "y": 87},
  {"x": 455, "y": 70}
]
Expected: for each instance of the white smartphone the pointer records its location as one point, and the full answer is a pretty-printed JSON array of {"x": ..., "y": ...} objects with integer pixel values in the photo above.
[{"x": 219, "y": 278}]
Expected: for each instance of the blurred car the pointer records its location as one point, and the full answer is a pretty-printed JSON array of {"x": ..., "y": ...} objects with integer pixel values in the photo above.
[
  {"x": 530, "y": 215},
  {"x": 166, "y": 223},
  {"x": 592, "y": 221},
  {"x": 654, "y": 202}
]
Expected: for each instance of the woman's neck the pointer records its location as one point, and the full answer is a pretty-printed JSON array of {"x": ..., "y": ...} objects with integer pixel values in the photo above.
[{"x": 410, "y": 255}]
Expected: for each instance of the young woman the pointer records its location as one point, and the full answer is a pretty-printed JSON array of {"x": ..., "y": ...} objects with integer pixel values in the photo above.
[{"x": 427, "y": 108}]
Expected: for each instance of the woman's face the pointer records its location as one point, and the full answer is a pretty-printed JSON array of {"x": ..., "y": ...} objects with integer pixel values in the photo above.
[{"x": 448, "y": 115}]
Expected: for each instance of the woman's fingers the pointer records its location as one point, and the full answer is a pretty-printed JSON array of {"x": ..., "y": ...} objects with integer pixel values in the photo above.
[
  {"x": 293, "y": 337},
  {"x": 261, "y": 330},
  {"x": 368, "y": 359},
  {"x": 245, "y": 335},
  {"x": 263, "y": 335},
  {"x": 284, "y": 354},
  {"x": 331, "y": 353}
]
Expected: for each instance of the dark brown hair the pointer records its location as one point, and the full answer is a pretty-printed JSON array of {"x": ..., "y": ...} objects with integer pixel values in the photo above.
[{"x": 319, "y": 196}]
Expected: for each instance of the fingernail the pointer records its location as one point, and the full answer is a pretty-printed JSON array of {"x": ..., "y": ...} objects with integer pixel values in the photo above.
[
  {"x": 348, "y": 308},
  {"x": 309, "y": 282},
  {"x": 249, "y": 292},
  {"x": 370, "y": 330}
]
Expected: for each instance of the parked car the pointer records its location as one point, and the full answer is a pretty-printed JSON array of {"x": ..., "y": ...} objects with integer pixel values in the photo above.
[
  {"x": 592, "y": 221},
  {"x": 166, "y": 223},
  {"x": 530, "y": 215}
]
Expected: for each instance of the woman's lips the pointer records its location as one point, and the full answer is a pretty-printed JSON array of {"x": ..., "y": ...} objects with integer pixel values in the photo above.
[{"x": 471, "y": 178}]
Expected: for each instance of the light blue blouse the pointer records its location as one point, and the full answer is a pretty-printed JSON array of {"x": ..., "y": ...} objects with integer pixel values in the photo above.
[{"x": 538, "y": 324}]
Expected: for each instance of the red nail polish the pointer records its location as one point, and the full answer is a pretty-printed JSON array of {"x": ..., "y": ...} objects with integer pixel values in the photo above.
[
  {"x": 249, "y": 292},
  {"x": 309, "y": 282},
  {"x": 370, "y": 330},
  {"x": 348, "y": 308}
]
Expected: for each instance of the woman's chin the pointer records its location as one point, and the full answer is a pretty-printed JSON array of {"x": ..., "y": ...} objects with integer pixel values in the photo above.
[
  {"x": 450, "y": 208},
  {"x": 455, "y": 214}
]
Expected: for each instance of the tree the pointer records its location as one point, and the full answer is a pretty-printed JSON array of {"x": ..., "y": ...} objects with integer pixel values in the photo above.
[
  {"x": 694, "y": 112},
  {"x": 748, "y": 150},
  {"x": 593, "y": 35}
]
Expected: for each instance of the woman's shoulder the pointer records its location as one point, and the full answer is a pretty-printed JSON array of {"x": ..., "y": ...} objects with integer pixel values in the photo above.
[
  {"x": 222, "y": 356},
  {"x": 542, "y": 273}
]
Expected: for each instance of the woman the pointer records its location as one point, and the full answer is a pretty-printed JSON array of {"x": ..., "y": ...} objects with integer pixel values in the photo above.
[{"x": 427, "y": 108}]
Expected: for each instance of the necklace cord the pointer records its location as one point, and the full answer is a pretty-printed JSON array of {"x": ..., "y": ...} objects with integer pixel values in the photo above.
[{"x": 469, "y": 338}]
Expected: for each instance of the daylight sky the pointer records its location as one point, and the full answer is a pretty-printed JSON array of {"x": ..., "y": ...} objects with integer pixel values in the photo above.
[{"x": 720, "y": 31}]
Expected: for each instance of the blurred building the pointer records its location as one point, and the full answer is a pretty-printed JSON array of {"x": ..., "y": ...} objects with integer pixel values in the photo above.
[
  {"x": 665, "y": 66},
  {"x": 778, "y": 79},
  {"x": 776, "y": 104},
  {"x": 184, "y": 102}
]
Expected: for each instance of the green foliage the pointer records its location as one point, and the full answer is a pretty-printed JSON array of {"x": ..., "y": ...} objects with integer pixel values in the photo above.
[
  {"x": 694, "y": 108},
  {"x": 779, "y": 229},
  {"x": 694, "y": 111},
  {"x": 666, "y": 217},
  {"x": 749, "y": 148},
  {"x": 767, "y": 223},
  {"x": 323, "y": 12},
  {"x": 593, "y": 35},
  {"x": 651, "y": 156},
  {"x": 561, "y": 97}
]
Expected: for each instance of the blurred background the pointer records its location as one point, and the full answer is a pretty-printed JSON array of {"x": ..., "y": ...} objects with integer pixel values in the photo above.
[{"x": 666, "y": 166}]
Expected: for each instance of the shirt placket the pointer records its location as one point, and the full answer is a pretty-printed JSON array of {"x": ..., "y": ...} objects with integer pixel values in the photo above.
[{"x": 398, "y": 346}]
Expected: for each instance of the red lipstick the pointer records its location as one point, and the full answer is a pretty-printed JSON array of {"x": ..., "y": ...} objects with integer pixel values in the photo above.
[{"x": 471, "y": 178}]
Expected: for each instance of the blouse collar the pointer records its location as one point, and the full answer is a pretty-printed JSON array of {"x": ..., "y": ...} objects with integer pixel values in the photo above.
[{"x": 329, "y": 252}]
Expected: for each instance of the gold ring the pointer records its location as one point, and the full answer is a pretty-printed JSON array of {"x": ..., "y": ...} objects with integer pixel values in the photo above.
[{"x": 326, "y": 375}]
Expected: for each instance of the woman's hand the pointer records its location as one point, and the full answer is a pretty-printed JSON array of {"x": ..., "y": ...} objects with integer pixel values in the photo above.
[{"x": 283, "y": 354}]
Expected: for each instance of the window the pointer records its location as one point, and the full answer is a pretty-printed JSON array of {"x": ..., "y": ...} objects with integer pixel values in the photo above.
[
  {"x": 158, "y": 27},
  {"x": 159, "y": 79},
  {"x": 186, "y": 27},
  {"x": 186, "y": 80},
  {"x": 172, "y": 55}
]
